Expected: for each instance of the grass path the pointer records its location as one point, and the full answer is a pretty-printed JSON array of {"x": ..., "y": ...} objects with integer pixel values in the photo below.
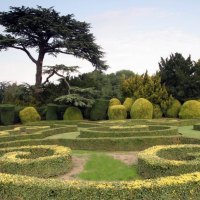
[{"x": 187, "y": 131}]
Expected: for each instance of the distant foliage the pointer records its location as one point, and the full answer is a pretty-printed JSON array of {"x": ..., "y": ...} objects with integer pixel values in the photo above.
[
  {"x": 157, "y": 112},
  {"x": 173, "y": 109},
  {"x": 142, "y": 109}
]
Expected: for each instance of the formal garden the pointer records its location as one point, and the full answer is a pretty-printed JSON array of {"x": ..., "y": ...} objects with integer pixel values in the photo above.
[{"x": 95, "y": 136}]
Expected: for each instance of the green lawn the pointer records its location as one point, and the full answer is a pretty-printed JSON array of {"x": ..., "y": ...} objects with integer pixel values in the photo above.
[
  {"x": 71, "y": 135},
  {"x": 187, "y": 131},
  {"x": 101, "y": 167}
]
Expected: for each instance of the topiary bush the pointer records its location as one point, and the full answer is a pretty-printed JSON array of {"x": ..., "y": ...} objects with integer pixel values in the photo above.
[
  {"x": 190, "y": 109},
  {"x": 114, "y": 102},
  {"x": 142, "y": 109},
  {"x": 61, "y": 110},
  {"x": 173, "y": 109},
  {"x": 7, "y": 114},
  {"x": 99, "y": 110},
  {"x": 73, "y": 113},
  {"x": 51, "y": 113},
  {"x": 128, "y": 103},
  {"x": 29, "y": 114},
  {"x": 117, "y": 112},
  {"x": 157, "y": 111}
]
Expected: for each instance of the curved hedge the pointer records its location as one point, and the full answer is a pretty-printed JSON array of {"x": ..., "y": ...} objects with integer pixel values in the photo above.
[
  {"x": 117, "y": 112},
  {"x": 40, "y": 161},
  {"x": 129, "y": 131},
  {"x": 142, "y": 109},
  {"x": 190, "y": 109},
  {"x": 169, "y": 160}
]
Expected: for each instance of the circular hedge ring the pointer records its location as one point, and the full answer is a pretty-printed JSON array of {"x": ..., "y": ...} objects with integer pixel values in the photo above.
[
  {"x": 169, "y": 160},
  {"x": 40, "y": 161},
  {"x": 128, "y": 131}
]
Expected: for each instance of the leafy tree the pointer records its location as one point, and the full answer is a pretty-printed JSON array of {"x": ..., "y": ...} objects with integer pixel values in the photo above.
[
  {"x": 148, "y": 87},
  {"x": 48, "y": 32},
  {"x": 181, "y": 76}
]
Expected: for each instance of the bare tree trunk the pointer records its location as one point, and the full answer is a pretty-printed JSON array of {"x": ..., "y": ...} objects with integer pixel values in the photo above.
[{"x": 39, "y": 66}]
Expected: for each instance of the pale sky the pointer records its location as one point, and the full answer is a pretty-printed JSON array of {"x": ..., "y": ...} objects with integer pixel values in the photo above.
[{"x": 133, "y": 34}]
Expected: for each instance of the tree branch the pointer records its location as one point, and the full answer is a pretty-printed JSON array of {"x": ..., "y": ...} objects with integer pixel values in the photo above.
[{"x": 26, "y": 51}]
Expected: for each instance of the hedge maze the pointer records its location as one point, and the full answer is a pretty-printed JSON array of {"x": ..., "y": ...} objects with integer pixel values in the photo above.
[{"x": 29, "y": 160}]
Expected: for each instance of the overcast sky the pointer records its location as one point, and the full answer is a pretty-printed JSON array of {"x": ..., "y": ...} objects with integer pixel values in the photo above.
[{"x": 133, "y": 34}]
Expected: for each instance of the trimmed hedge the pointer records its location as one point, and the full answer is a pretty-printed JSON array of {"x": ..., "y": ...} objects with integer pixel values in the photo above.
[
  {"x": 190, "y": 109},
  {"x": 7, "y": 112},
  {"x": 40, "y": 161},
  {"x": 117, "y": 112},
  {"x": 51, "y": 113},
  {"x": 16, "y": 187},
  {"x": 169, "y": 160},
  {"x": 114, "y": 102},
  {"x": 174, "y": 109},
  {"x": 128, "y": 104},
  {"x": 99, "y": 110},
  {"x": 29, "y": 114},
  {"x": 73, "y": 113},
  {"x": 142, "y": 109},
  {"x": 197, "y": 127},
  {"x": 128, "y": 131},
  {"x": 39, "y": 134}
]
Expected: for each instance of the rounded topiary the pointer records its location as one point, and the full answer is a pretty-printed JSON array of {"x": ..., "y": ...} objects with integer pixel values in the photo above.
[
  {"x": 128, "y": 103},
  {"x": 142, "y": 109},
  {"x": 99, "y": 110},
  {"x": 157, "y": 111},
  {"x": 190, "y": 109},
  {"x": 7, "y": 114},
  {"x": 114, "y": 102},
  {"x": 72, "y": 113},
  {"x": 173, "y": 109},
  {"x": 117, "y": 112},
  {"x": 29, "y": 114},
  {"x": 51, "y": 113}
]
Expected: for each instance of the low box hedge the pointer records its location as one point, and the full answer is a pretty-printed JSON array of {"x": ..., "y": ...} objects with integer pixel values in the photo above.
[
  {"x": 169, "y": 160},
  {"x": 40, "y": 161}
]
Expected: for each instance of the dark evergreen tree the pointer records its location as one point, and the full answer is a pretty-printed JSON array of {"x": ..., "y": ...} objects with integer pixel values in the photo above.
[
  {"x": 180, "y": 76},
  {"x": 48, "y": 32}
]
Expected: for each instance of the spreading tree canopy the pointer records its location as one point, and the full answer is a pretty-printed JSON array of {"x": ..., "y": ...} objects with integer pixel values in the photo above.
[{"x": 48, "y": 32}]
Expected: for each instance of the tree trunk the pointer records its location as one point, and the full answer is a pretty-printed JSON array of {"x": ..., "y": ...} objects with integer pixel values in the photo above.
[{"x": 39, "y": 66}]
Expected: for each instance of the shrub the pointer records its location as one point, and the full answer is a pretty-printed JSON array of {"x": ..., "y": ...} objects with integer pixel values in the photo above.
[
  {"x": 17, "y": 110},
  {"x": 51, "y": 113},
  {"x": 7, "y": 114},
  {"x": 190, "y": 109},
  {"x": 117, "y": 112},
  {"x": 114, "y": 102},
  {"x": 99, "y": 110},
  {"x": 29, "y": 114},
  {"x": 72, "y": 113},
  {"x": 142, "y": 109},
  {"x": 61, "y": 110},
  {"x": 157, "y": 111},
  {"x": 128, "y": 103},
  {"x": 173, "y": 109}
]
